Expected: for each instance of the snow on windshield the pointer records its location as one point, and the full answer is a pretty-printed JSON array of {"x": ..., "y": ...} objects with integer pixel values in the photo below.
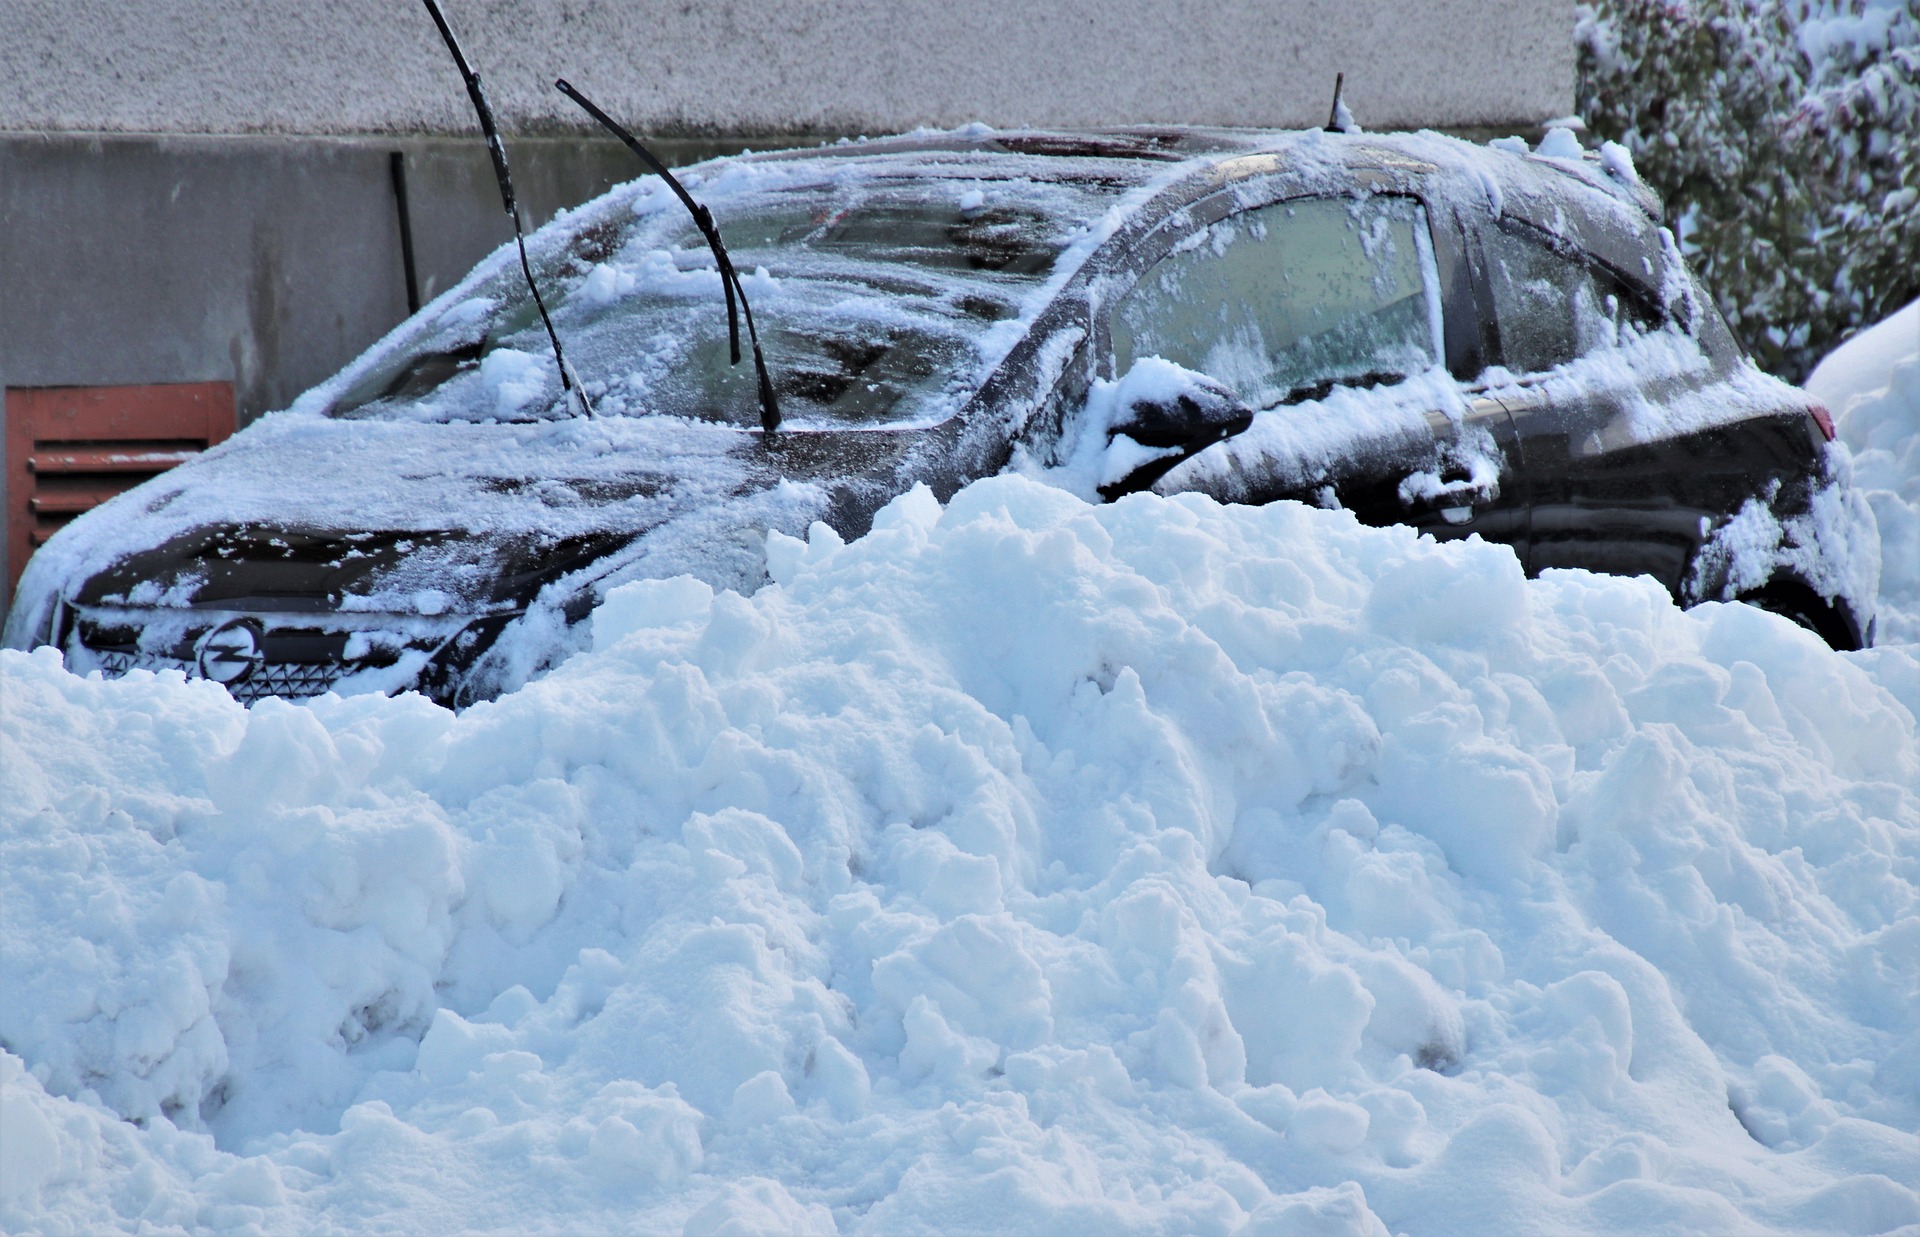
[
  {"x": 1156, "y": 867},
  {"x": 874, "y": 283}
]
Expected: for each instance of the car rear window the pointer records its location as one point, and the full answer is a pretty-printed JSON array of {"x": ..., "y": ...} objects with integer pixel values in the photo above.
[
  {"x": 1552, "y": 307},
  {"x": 875, "y": 298}
]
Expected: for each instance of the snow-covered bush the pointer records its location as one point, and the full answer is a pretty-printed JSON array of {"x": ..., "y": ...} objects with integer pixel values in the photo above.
[{"x": 1782, "y": 136}]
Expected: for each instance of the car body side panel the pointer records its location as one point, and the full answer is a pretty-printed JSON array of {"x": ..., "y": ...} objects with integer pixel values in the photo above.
[
  {"x": 1447, "y": 467},
  {"x": 1632, "y": 506}
]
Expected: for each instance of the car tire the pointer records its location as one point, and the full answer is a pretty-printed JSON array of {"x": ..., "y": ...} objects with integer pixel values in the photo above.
[{"x": 1790, "y": 599}]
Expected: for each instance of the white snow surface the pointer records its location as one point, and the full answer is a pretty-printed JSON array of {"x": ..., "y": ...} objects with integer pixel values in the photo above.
[
  {"x": 1871, "y": 384},
  {"x": 1026, "y": 864}
]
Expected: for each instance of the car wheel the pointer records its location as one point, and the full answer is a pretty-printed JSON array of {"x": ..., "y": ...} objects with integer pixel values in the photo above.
[{"x": 1793, "y": 600}]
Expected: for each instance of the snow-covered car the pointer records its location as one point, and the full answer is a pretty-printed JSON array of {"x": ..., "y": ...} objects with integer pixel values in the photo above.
[{"x": 1470, "y": 340}]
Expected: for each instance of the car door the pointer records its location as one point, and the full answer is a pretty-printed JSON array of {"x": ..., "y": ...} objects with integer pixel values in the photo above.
[
  {"x": 1605, "y": 497},
  {"x": 1624, "y": 408},
  {"x": 1327, "y": 316}
]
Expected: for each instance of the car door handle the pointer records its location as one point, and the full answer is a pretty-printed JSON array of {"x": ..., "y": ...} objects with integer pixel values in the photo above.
[
  {"x": 1465, "y": 472},
  {"x": 1453, "y": 498}
]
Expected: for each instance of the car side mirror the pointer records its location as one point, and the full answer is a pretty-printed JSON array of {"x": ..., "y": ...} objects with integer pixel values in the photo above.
[
  {"x": 1162, "y": 414},
  {"x": 1197, "y": 413}
]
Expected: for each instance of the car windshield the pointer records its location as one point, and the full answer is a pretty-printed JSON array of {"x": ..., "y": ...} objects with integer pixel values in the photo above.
[{"x": 875, "y": 297}]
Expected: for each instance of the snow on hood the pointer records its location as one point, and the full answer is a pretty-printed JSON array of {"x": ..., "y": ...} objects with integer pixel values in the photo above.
[
  {"x": 490, "y": 484},
  {"x": 1164, "y": 866}
]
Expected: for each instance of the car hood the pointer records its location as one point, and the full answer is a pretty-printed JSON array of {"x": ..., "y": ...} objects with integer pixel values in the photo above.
[
  {"x": 291, "y": 568},
  {"x": 302, "y": 512}
]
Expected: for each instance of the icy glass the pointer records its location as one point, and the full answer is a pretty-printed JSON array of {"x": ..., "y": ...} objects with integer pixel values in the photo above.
[
  {"x": 1282, "y": 302},
  {"x": 1552, "y": 308},
  {"x": 873, "y": 298}
]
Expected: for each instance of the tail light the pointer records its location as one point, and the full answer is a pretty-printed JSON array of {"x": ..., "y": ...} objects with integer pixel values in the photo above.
[{"x": 1823, "y": 419}]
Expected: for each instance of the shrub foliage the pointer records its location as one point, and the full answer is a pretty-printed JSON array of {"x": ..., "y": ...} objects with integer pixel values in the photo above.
[{"x": 1784, "y": 138}]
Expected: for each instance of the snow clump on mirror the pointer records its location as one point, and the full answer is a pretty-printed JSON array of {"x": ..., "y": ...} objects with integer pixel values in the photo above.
[{"x": 1162, "y": 866}]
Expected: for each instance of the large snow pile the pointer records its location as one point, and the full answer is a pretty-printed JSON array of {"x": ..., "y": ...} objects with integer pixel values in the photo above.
[
  {"x": 1872, "y": 385},
  {"x": 1023, "y": 865}
]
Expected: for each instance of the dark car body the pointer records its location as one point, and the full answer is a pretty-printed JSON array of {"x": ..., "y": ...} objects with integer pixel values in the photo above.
[{"x": 1426, "y": 332}]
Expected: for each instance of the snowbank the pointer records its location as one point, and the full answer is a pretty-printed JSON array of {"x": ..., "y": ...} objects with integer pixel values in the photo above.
[
  {"x": 1026, "y": 864},
  {"x": 1872, "y": 385}
]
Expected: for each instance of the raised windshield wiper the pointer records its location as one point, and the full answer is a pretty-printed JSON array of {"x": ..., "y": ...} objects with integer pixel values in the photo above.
[
  {"x": 703, "y": 219},
  {"x": 569, "y": 380}
]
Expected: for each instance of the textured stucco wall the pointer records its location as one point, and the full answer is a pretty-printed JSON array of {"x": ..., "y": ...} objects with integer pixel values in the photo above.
[{"x": 777, "y": 66}]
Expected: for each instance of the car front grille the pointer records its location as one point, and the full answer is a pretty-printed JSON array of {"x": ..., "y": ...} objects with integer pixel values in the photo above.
[
  {"x": 261, "y": 654},
  {"x": 293, "y": 681}
]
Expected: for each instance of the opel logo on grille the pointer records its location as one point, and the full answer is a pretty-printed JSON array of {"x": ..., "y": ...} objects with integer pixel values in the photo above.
[{"x": 230, "y": 653}]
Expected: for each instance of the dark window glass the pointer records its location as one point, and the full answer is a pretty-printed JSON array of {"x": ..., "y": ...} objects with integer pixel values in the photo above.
[
  {"x": 1282, "y": 301},
  {"x": 1552, "y": 307},
  {"x": 876, "y": 297}
]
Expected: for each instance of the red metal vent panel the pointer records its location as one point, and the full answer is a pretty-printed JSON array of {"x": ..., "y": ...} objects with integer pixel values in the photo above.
[{"x": 69, "y": 449}]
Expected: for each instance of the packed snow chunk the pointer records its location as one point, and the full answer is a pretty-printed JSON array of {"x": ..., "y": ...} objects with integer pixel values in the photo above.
[
  {"x": 1323, "y": 1123},
  {"x": 516, "y": 378},
  {"x": 756, "y": 1205},
  {"x": 648, "y": 604},
  {"x": 31, "y": 1145},
  {"x": 453, "y": 1049},
  {"x": 1871, "y": 384},
  {"x": 1026, "y": 863},
  {"x": 658, "y": 1144},
  {"x": 760, "y": 1099},
  {"x": 1320, "y": 1212},
  {"x": 1560, "y": 142}
]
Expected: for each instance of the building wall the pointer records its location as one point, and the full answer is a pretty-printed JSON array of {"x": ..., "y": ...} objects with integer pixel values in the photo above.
[{"x": 778, "y": 66}]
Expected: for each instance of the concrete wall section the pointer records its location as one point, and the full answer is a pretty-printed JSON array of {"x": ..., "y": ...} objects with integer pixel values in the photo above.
[
  {"x": 778, "y": 66},
  {"x": 265, "y": 262},
  {"x": 140, "y": 261}
]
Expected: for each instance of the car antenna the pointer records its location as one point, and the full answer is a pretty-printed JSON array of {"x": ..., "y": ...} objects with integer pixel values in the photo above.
[
  {"x": 569, "y": 380},
  {"x": 703, "y": 219},
  {"x": 1339, "y": 119}
]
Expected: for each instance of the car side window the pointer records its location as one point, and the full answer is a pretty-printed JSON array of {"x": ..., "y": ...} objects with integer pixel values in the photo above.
[
  {"x": 1551, "y": 307},
  {"x": 1283, "y": 301}
]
